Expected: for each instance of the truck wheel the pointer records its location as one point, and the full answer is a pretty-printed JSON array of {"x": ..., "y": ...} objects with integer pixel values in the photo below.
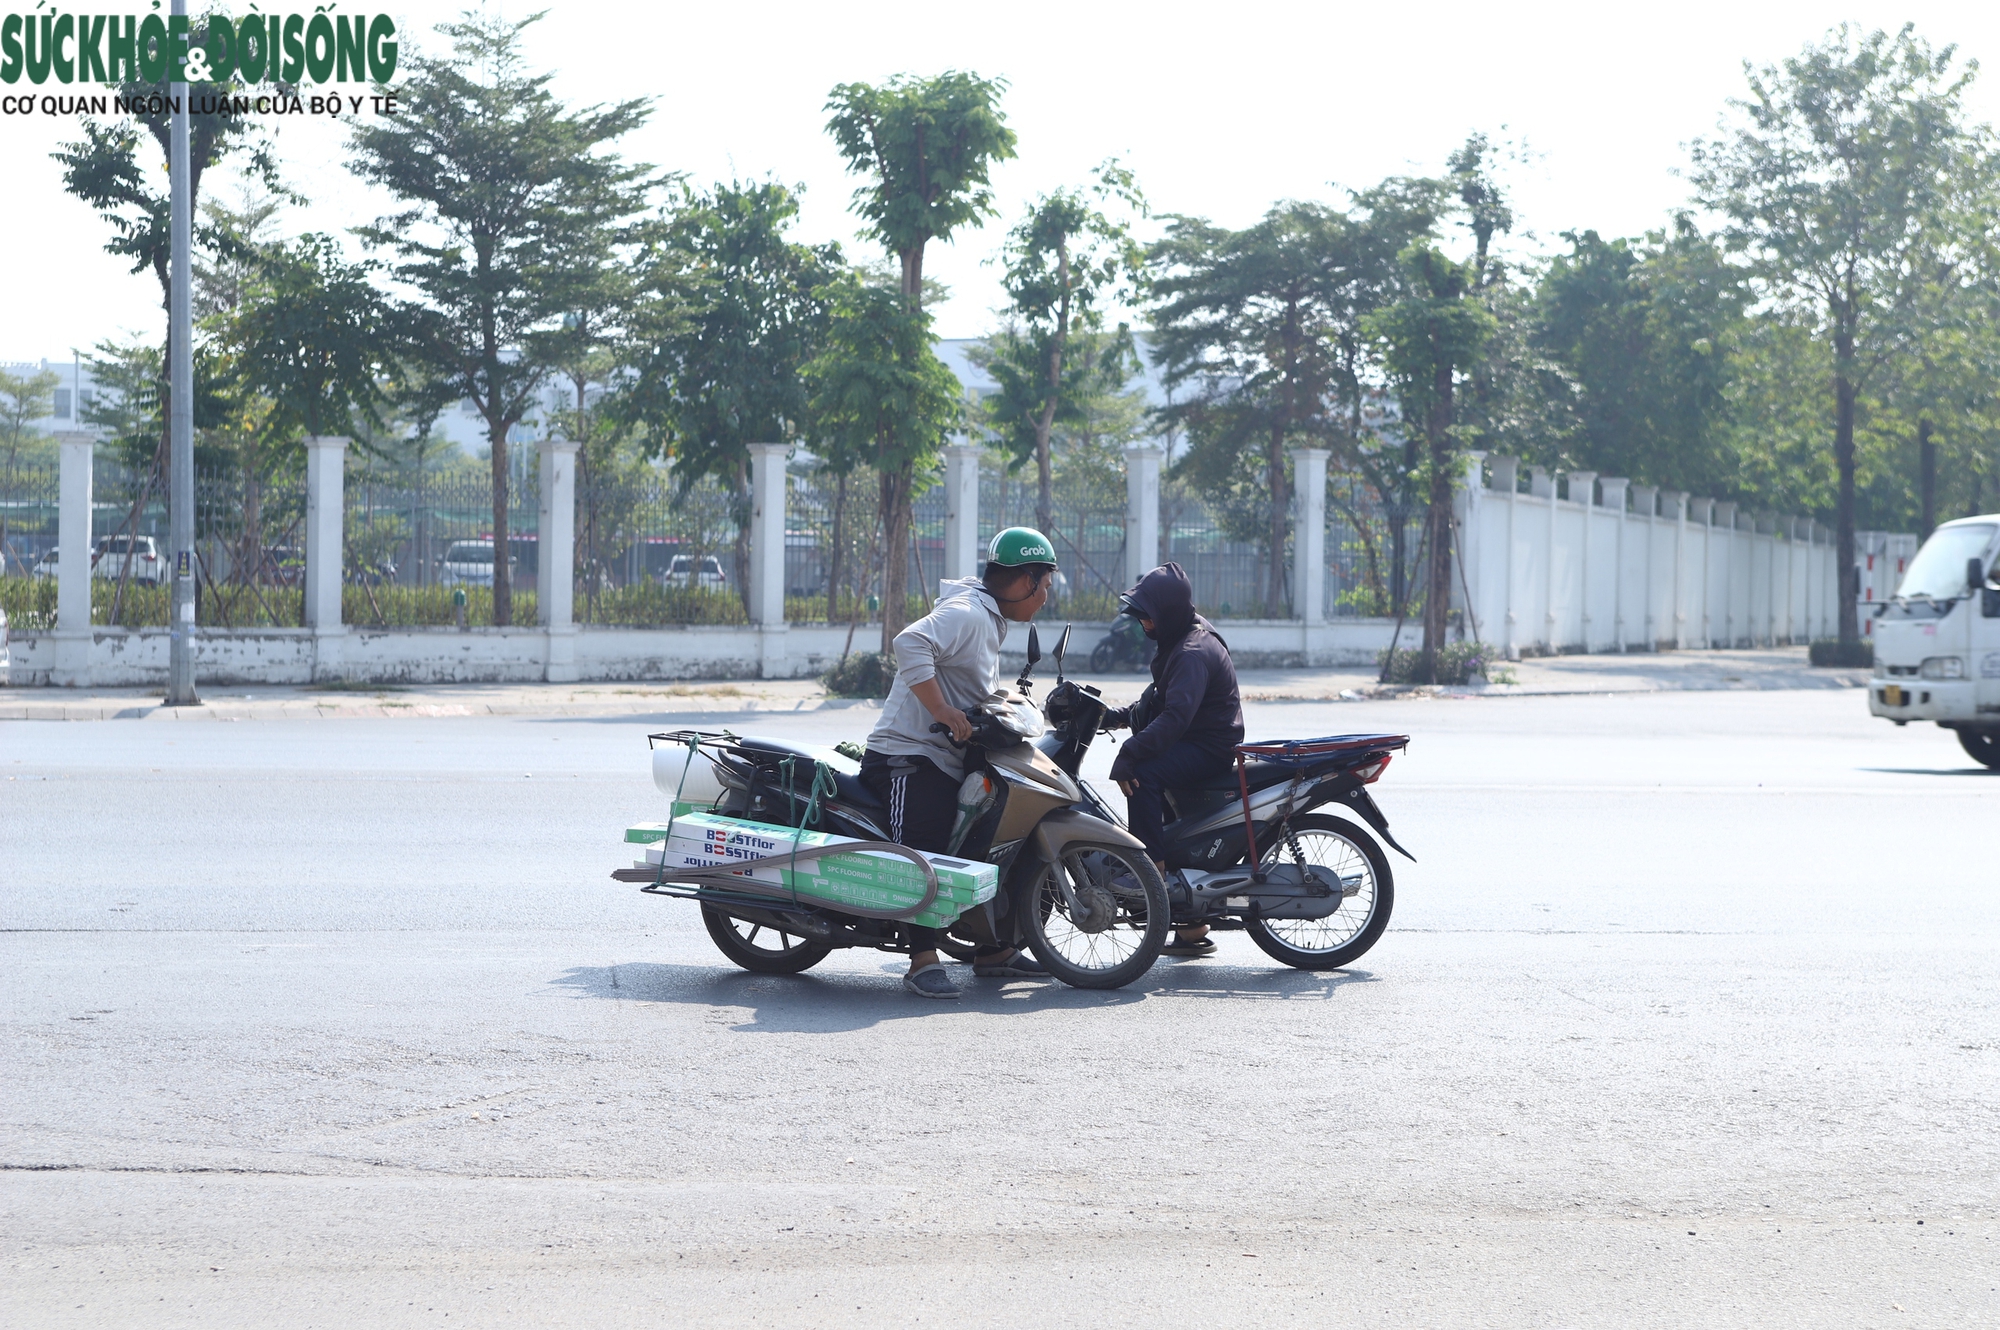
[{"x": 1983, "y": 746}]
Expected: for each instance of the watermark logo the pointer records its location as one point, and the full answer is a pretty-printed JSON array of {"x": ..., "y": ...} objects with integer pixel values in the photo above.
[{"x": 48, "y": 45}]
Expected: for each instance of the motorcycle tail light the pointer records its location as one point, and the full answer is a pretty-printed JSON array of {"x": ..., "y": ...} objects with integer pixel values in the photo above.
[{"x": 1371, "y": 773}]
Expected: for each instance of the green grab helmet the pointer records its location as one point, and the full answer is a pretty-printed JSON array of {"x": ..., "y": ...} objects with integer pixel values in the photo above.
[{"x": 1021, "y": 547}]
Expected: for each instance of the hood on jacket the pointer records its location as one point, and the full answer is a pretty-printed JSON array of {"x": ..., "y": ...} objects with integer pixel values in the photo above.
[{"x": 1167, "y": 598}]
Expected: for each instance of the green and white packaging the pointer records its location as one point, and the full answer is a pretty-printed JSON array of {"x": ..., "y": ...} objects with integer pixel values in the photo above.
[{"x": 868, "y": 879}]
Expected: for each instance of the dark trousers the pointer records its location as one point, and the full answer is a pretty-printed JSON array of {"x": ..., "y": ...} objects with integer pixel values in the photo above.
[
  {"x": 1182, "y": 765},
  {"x": 922, "y": 800}
]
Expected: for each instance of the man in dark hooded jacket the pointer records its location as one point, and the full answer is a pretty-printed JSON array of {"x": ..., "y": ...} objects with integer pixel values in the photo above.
[{"x": 1187, "y": 723}]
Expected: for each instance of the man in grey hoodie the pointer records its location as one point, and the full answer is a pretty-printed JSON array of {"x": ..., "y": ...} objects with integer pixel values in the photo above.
[{"x": 947, "y": 663}]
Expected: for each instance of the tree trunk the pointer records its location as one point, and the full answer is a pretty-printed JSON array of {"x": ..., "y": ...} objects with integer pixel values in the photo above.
[
  {"x": 1274, "y": 600},
  {"x": 1843, "y": 520},
  {"x": 250, "y": 556},
  {"x": 1045, "y": 495},
  {"x": 1437, "y": 589},
  {"x": 742, "y": 549},
  {"x": 833, "y": 554},
  {"x": 1927, "y": 478},
  {"x": 895, "y": 550},
  {"x": 1045, "y": 488},
  {"x": 503, "y": 585}
]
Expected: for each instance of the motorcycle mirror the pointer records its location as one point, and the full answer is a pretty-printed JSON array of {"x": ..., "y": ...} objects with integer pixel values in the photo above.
[
  {"x": 1062, "y": 649},
  {"x": 1034, "y": 654}
]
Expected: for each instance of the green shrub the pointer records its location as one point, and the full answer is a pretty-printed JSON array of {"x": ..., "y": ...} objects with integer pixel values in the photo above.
[
  {"x": 1459, "y": 662},
  {"x": 1831, "y": 651},
  {"x": 30, "y": 603},
  {"x": 862, "y": 674}
]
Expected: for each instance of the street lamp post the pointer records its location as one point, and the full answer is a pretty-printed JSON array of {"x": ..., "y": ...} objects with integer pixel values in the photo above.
[{"x": 180, "y": 377}]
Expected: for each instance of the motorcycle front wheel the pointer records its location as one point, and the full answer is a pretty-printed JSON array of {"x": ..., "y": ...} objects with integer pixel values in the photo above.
[
  {"x": 1119, "y": 923},
  {"x": 760, "y": 948},
  {"x": 1341, "y": 938},
  {"x": 1103, "y": 656}
]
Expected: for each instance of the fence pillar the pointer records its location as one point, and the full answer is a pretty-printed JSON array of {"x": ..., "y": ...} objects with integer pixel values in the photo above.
[
  {"x": 1309, "y": 535},
  {"x": 1583, "y": 490},
  {"x": 1507, "y": 480},
  {"x": 767, "y": 555},
  {"x": 1614, "y": 499},
  {"x": 74, "y": 542},
  {"x": 1142, "y": 508},
  {"x": 1701, "y": 512},
  {"x": 555, "y": 558},
  {"x": 1544, "y": 482},
  {"x": 961, "y": 510},
  {"x": 1725, "y": 517},
  {"x": 1812, "y": 561},
  {"x": 1645, "y": 504},
  {"x": 1674, "y": 504},
  {"x": 326, "y": 513},
  {"x": 1465, "y": 510}
]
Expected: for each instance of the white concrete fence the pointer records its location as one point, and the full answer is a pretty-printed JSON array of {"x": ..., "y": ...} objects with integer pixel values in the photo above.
[
  {"x": 1622, "y": 567},
  {"x": 1543, "y": 573}
]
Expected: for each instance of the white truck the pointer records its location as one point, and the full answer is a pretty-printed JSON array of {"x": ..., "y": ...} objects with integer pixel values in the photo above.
[{"x": 1937, "y": 641}]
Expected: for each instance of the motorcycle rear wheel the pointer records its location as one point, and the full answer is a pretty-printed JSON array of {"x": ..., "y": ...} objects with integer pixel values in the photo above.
[
  {"x": 1344, "y": 936},
  {"x": 1109, "y": 957},
  {"x": 738, "y": 939}
]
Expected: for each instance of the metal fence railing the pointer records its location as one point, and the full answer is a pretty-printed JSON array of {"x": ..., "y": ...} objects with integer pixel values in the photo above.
[
  {"x": 1088, "y": 529},
  {"x": 29, "y": 517},
  {"x": 651, "y": 552},
  {"x": 1219, "y": 548},
  {"x": 1372, "y": 548}
]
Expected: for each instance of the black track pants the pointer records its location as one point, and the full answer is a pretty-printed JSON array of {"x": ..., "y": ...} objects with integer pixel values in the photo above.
[{"x": 922, "y": 801}]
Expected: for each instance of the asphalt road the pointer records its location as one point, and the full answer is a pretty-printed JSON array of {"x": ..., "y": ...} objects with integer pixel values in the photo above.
[{"x": 1689, "y": 1016}]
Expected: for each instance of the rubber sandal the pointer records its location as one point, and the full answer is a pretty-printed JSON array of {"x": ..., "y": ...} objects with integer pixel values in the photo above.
[
  {"x": 1018, "y": 966},
  {"x": 931, "y": 982},
  {"x": 1201, "y": 946}
]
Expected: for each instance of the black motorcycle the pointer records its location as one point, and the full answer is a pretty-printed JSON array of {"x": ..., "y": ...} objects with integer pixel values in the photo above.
[
  {"x": 1275, "y": 846},
  {"x": 1125, "y": 647}
]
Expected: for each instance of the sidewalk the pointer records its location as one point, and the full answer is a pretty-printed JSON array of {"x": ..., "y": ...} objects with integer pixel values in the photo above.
[{"x": 1782, "y": 668}]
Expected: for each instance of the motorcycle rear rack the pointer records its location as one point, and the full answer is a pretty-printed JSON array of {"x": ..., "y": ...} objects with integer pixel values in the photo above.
[{"x": 1297, "y": 751}]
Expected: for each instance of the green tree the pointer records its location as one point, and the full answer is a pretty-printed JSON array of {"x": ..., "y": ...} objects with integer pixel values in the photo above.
[
  {"x": 1064, "y": 261},
  {"x": 929, "y": 146},
  {"x": 1432, "y": 340},
  {"x": 879, "y": 392},
  {"x": 1254, "y": 322},
  {"x": 732, "y": 371},
  {"x": 117, "y": 167},
  {"x": 313, "y": 335},
  {"x": 503, "y": 188},
  {"x": 1648, "y": 335},
  {"x": 1844, "y": 181},
  {"x": 24, "y": 398}
]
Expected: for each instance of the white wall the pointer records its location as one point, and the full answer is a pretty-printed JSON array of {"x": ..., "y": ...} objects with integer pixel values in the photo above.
[
  {"x": 137, "y": 657},
  {"x": 1548, "y": 574}
]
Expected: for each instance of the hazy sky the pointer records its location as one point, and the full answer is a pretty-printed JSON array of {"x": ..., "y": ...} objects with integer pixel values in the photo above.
[{"x": 1219, "y": 111}]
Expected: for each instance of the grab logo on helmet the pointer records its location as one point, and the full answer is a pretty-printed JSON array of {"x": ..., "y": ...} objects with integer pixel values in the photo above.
[{"x": 1019, "y": 545}]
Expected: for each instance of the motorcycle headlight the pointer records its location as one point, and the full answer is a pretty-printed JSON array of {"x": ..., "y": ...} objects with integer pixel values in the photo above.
[{"x": 1943, "y": 667}]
